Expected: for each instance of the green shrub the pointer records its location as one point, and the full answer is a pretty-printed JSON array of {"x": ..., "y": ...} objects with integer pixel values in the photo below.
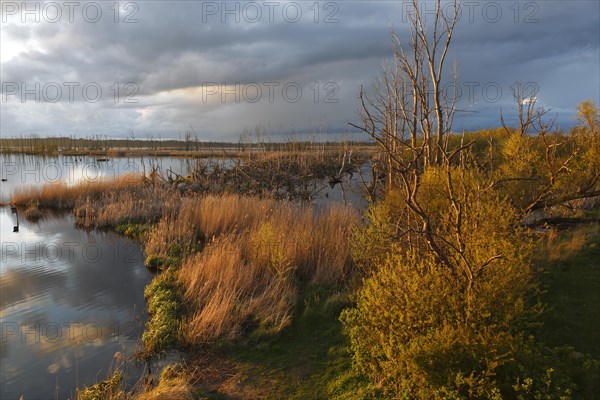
[
  {"x": 158, "y": 263},
  {"x": 407, "y": 334},
  {"x": 372, "y": 241},
  {"x": 423, "y": 329}
]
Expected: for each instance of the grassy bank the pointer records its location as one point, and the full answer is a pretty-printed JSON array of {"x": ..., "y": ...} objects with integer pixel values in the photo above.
[
  {"x": 233, "y": 272},
  {"x": 571, "y": 263},
  {"x": 309, "y": 358},
  {"x": 249, "y": 285}
]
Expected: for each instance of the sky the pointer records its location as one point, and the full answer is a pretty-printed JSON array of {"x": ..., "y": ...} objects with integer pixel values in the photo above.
[{"x": 154, "y": 69}]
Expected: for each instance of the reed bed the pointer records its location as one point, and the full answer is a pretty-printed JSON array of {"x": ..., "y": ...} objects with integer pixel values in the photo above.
[
  {"x": 228, "y": 293},
  {"x": 33, "y": 213},
  {"x": 62, "y": 196},
  {"x": 229, "y": 214},
  {"x": 139, "y": 204},
  {"x": 104, "y": 203},
  {"x": 258, "y": 256}
]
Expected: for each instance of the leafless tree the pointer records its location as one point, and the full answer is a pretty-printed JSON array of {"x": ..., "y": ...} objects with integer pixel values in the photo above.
[
  {"x": 410, "y": 112},
  {"x": 525, "y": 96}
]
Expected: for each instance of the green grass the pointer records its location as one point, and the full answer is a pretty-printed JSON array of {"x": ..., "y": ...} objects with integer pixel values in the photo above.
[
  {"x": 134, "y": 231},
  {"x": 110, "y": 388},
  {"x": 162, "y": 295},
  {"x": 159, "y": 263},
  {"x": 572, "y": 291},
  {"x": 162, "y": 328},
  {"x": 309, "y": 360}
]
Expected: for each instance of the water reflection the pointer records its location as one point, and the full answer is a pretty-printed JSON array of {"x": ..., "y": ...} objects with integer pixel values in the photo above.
[
  {"x": 69, "y": 300},
  {"x": 19, "y": 171}
]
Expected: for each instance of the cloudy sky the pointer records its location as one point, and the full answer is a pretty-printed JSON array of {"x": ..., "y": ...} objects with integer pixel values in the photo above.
[{"x": 158, "y": 68}]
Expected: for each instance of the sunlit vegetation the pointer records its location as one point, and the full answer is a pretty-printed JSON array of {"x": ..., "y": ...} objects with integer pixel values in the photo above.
[
  {"x": 170, "y": 388},
  {"x": 473, "y": 273},
  {"x": 251, "y": 271},
  {"x": 162, "y": 329},
  {"x": 110, "y": 388},
  {"x": 492, "y": 299},
  {"x": 62, "y": 196},
  {"x": 450, "y": 305}
]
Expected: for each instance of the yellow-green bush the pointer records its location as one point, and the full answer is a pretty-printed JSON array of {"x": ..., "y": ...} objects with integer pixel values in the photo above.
[
  {"x": 425, "y": 330},
  {"x": 407, "y": 334}
]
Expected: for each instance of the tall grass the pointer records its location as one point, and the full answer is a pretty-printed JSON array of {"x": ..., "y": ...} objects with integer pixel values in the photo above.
[
  {"x": 133, "y": 204},
  {"x": 259, "y": 254},
  {"x": 226, "y": 292},
  {"x": 63, "y": 196},
  {"x": 103, "y": 203},
  {"x": 229, "y": 214}
]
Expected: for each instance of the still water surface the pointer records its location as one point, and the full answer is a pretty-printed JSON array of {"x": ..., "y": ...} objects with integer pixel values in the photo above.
[
  {"x": 69, "y": 299},
  {"x": 21, "y": 171}
]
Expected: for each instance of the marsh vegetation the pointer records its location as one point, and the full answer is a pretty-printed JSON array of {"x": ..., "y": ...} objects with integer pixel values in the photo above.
[
  {"x": 472, "y": 274},
  {"x": 246, "y": 278}
]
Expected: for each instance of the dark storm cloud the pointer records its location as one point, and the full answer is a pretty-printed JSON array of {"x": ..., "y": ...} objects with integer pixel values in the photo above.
[{"x": 176, "y": 47}]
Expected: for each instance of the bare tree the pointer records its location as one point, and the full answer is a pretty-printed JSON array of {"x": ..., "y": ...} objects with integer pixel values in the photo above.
[
  {"x": 525, "y": 96},
  {"x": 410, "y": 112},
  {"x": 409, "y": 115},
  {"x": 546, "y": 166}
]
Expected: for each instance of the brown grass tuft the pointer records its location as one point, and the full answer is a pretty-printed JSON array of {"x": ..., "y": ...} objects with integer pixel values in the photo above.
[
  {"x": 170, "y": 389},
  {"x": 130, "y": 204},
  {"x": 259, "y": 255},
  {"x": 33, "y": 213},
  {"x": 569, "y": 244},
  {"x": 226, "y": 291}
]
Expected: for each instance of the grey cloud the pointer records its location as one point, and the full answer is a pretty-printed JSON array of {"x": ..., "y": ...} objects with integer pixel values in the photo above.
[{"x": 172, "y": 49}]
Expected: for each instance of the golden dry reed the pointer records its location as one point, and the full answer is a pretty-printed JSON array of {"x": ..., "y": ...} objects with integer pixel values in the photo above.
[
  {"x": 243, "y": 259},
  {"x": 258, "y": 254},
  {"x": 62, "y": 195}
]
